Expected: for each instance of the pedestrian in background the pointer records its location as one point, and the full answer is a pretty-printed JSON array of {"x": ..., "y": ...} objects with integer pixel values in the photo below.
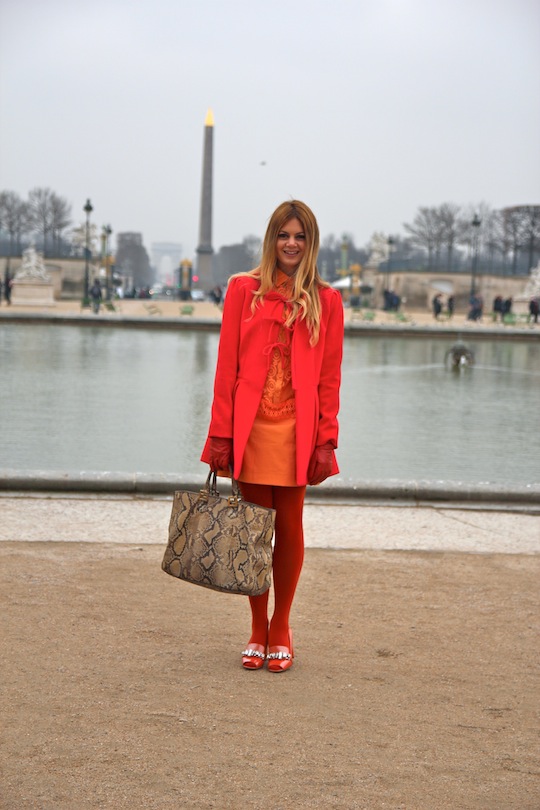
[{"x": 96, "y": 295}]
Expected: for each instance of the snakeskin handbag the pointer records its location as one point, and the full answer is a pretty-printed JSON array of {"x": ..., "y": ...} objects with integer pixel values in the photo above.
[{"x": 223, "y": 543}]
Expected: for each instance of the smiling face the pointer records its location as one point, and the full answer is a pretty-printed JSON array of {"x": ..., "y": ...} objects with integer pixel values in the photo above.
[{"x": 290, "y": 246}]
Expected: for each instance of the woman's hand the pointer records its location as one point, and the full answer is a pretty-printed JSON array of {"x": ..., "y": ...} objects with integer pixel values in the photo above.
[
  {"x": 221, "y": 453},
  {"x": 320, "y": 465}
]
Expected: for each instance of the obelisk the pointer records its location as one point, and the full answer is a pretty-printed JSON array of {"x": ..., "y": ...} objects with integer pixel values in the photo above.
[{"x": 205, "y": 250}]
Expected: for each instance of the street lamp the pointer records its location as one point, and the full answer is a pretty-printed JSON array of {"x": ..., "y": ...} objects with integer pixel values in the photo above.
[
  {"x": 184, "y": 281},
  {"x": 476, "y": 225},
  {"x": 390, "y": 243},
  {"x": 88, "y": 210},
  {"x": 107, "y": 230}
]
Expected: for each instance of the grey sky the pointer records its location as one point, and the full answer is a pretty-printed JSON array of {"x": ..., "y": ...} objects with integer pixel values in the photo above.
[{"x": 365, "y": 110}]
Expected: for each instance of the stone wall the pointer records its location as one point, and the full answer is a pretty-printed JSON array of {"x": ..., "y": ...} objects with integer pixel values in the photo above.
[
  {"x": 67, "y": 275},
  {"x": 417, "y": 289}
]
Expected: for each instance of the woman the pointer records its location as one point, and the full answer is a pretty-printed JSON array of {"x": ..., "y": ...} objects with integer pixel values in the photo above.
[{"x": 276, "y": 399}]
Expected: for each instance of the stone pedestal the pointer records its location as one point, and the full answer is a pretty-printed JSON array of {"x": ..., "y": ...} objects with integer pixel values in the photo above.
[
  {"x": 32, "y": 292},
  {"x": 369, "y": 275}
]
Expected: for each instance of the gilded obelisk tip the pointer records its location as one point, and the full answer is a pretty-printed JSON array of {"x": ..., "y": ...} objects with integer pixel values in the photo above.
[{"x": 209, "y": 120}]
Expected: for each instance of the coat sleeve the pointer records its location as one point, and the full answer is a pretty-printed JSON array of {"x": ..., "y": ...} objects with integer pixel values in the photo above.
[
  {"x": 221, "y": 423},
  {"x": 330, "y": 377}
]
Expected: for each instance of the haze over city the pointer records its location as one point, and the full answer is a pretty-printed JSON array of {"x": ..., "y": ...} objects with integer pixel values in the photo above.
[{"x": 366, "y": 110}]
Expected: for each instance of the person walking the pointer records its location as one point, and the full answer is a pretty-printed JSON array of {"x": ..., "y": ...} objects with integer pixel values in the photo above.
[
  {"x": 506, "y": 311},
  {"x": 534, "y": 309},
  {"x": 275, "y": 406},
  {"x": 96, "y": 295},
  {"x": 8, "y": 281},
  {"x": 436, "y": 305}
]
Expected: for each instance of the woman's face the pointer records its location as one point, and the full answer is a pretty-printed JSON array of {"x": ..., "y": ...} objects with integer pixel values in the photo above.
[{"x": 290, "y": 246}]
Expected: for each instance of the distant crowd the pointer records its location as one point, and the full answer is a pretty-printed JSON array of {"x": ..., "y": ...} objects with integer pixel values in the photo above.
[
  {"x": 501, "y": 308},
  {"x": 439, "y": 306}
]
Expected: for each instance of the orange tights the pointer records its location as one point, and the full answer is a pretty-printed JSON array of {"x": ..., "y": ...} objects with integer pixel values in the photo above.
[{"x": 287, "y": 562}]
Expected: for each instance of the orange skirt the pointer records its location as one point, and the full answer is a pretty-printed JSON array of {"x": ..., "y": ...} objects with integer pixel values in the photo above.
[{"x": 270, "y": 454}]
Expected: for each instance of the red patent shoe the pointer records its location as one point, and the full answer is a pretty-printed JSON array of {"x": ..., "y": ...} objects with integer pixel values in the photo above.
[
  {"x": 281, "y": 658},
  {"x": 254, "y": 656}
]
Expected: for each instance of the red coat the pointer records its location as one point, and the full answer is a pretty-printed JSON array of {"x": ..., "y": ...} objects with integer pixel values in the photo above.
[{"x": 242, "y": 368}]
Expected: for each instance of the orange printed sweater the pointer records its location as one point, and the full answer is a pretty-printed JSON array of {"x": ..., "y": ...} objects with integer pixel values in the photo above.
[{"x": 270, "y": 454}]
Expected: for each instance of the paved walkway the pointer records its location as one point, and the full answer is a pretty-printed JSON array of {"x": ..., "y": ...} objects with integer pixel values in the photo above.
[{"x": 76, "y": 518}]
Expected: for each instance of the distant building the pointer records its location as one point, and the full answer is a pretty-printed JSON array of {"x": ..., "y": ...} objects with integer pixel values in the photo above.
[
  {"x": 166, "y": 257},
  {"x": 132, "y": 261}
]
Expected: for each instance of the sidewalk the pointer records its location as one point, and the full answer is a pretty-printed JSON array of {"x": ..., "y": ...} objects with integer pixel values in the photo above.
[
  {"x": 142, "y": 520},
  {"x": 163, "y": 310},
  {"x": 414, "y": 685}
]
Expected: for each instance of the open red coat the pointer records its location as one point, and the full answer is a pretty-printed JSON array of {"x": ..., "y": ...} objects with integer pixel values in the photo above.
[{"x": 245, "y": 350}]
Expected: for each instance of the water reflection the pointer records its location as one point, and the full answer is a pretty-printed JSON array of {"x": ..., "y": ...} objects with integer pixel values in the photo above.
[{"x": 112, "y": 399}]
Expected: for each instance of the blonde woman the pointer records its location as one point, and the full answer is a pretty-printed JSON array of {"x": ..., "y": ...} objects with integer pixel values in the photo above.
[{"x": 276, "y": 400}]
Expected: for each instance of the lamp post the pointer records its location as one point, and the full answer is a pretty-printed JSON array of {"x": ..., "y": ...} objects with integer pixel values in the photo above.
[
  {"x": 476, "y": 225},
  {"x": 356, "y": 270},
  {"x": 107, "y": 230},
  {"x": 390, "y": 243},
  {"x": 185, "y": 275},
  {"x": 88, "y": 210}
]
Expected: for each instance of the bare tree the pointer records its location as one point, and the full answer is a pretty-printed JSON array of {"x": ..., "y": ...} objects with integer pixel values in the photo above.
[
  {"x": 471, "y": 236},
  {"x": 522, "y": 223},
  {"x": 426, "y": 232},
  {"x": 330, "y": 242},
  {"x": 16, "y": 218},
  {"x": 40, "y": 202},
  {"x": 532, "y": 232},
  {"x": 494, "y": 243},
  {"x": 60, "y": 218},
  {"x": 449, "y": 225},
  {"x": 2, "y": 210},
  {"x": 513, "y": 232}
]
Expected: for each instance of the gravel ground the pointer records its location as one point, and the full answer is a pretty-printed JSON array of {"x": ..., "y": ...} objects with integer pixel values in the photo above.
[{"x": 414, "y": 687}]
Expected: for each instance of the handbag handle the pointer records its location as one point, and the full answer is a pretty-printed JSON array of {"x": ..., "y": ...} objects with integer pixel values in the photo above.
[{"x": 210, "y": 488}]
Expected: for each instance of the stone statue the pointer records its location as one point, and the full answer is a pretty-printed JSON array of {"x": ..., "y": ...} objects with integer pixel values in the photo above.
[
  {"x": 378, "y": 248},
  {"x": 32, "y": 266},
  {"x": 458, "y": 356},
  {"x": 532, "y": 288}
]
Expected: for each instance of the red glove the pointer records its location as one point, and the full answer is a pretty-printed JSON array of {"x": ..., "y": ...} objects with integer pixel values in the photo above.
[
  {"x": 321, "y": 463},
  {"x": 221, "y": 453}
]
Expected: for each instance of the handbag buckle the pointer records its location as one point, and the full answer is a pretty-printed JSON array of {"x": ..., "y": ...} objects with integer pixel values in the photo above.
[{"x": 233, "y": 500}]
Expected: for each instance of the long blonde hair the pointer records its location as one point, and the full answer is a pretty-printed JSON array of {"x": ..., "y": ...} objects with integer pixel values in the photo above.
[{"x": 305, "y": 301}]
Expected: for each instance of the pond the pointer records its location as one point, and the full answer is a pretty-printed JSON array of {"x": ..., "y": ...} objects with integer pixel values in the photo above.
[{"x": 94, "y": 399}]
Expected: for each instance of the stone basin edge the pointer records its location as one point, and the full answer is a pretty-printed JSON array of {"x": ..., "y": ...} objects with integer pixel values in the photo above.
[
  {"x": 407, "y": 329},
  {"x": 335, "y": 491}
]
